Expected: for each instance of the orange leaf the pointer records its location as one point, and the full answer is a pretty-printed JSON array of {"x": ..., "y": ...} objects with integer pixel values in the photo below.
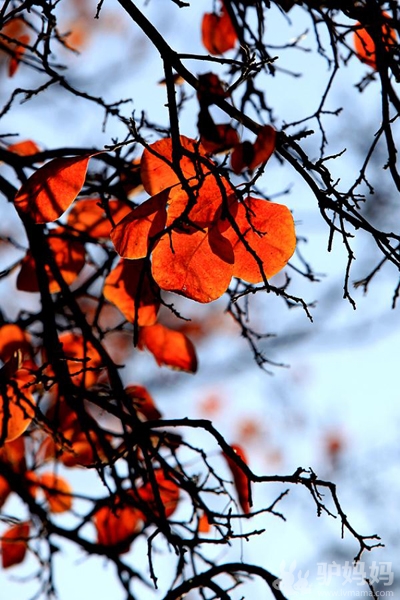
[
  {"x": 5, "y": 490},
  {"x": 25, "y": 148},
  {"x": 69, "y": 256},
  {"x": 132, "y": 236},
  {"x": 89, "y": 216},
  {"x": 143, "y": 402},
  {"x": 14, "y": 544},
  {"x": 240, "y": 478},
  {"x": 16, "y": 410},
  {"x": 157, "y": 172},
  {"x": 47, "y": 194},
  {"x": 83, "y": 361},
  {"x": 13, "y": 454},
  {"x": 168, "y": 491},
  {"x": 365, "y": 45},
  {"x": 171, "y": 348},
  {"x": 218, "y": 33},
  {"x": 198, "y": 265},
  {"x": 129, "y": 288},
  {"x": 268, "y": 230},
  {"x": 117, "y": 525},
  {"x": 263, "y": 146},
  {"x": 18, "y": 52},
  {"x": 58, "y": 492},
  {"x": 204, "y": 524},
  {"x": 13, "y": 338}
]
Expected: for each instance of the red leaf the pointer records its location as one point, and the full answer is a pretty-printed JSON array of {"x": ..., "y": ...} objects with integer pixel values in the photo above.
[
  {"x": 25, "y": 148},
  {"x": 197, "y": 264},
  {"x": 14, "y": 544},
  {"x": 17, "y": 409},
  {"x": 129, "y": 288},
  {"x": 268, "y": 230},
  {"x": 365, "y": 45},
  {"x": 171, "y": 348},
  {"x": 83, "y": 361},
  {"x": 168, "y": 491},
  {"x": 117, "y": 525},
  {"x": 13, "y": 338},
  {"x": 240, "y": 478},
  {"x": 132, "y": 236},
  {"x": 218, "y": 33},
  {"x": 227, "y": 138},
  {"x": 19, "y": 49},
  {"x": 47, "y": 194}
]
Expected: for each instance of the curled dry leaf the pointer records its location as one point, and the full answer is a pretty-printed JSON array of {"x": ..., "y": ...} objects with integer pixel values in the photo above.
[
  {"x": 169, "y": 347},
  {"x": 47, "y": 194}
]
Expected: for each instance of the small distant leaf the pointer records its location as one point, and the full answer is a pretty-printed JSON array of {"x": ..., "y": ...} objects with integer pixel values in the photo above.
[
  {"x": 14, "y": 544},
  {"x": 169, "y": 347},
  {"x": 57, "y": 491},
  {"x": 47, "y": 194},
  {"x": 268, "y": 230},
  {"x": 197, "y": 264},
  {"x": 129, "y": 288},
  {"x": 132, "y": 236}
]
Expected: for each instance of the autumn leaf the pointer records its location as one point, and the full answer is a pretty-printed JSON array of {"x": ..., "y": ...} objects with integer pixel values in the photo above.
[
  {"x": 167, "y": 490},
  {"x": 89, "y": 216},
  {"x": 24, "y": 148},
  {"x": 14, "y": 544},
  {"x": 143, "y": 402},
  {"x": 17, "y": 409},
  {"x": 249, "y": 156},
  {"x": 18, "y": 52},
  {"x": 83, "y": 360},
  {"x": 13, "y": 338},
  {"x": 132, "y": 236},
  {"x": 69, "y": 255},
  {"x": 129, "y": 288},
  {"x": 57, "y": 491},
  {"x": 364, "y": 44},
  {"x": 226, "y": 138},
  {"x": 117, "y": 525},
  {"x": 197, "y": 264},
  {"x": 267, "y": 230},
  {"x": 156, "y": 167},
  {"x": 47, "y": 194},
  {"x": 239, "y": 477},
  {"x": 169, "y": 347},
  {"x": 218, "y": 33}
]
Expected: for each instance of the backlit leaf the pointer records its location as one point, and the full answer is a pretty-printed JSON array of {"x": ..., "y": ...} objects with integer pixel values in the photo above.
[
  {"x": 169, "y": 347},
  {"x": 89, "y": 216},
  {"x": 158, "y": 173},
  {"x": 47, "y": 194},
  {"x": 132, "y": 236},
  {"x": 227, "y": 138},
  {"x": 69, "y": 255},
  {"x": 198, "y": 265},
  {"x": 218, "y": 33},
  {"x": 14, "y": 544},
  {"x": 57, "y": 491},
  {"x": 117, "y": 525},
  {"x": 268, "y": 230},
  {"x": 13, "y": 338},
  {"x": 83, "y": 360},
  {"x": 167, "y": 490},
  {"x": 143, "y": 401},
  {"x": 24, "y": 148},
  {"x": 16, "y": 410},
  {"x": 128, "y": 287},
  {"x": 365, "y": 46}
]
